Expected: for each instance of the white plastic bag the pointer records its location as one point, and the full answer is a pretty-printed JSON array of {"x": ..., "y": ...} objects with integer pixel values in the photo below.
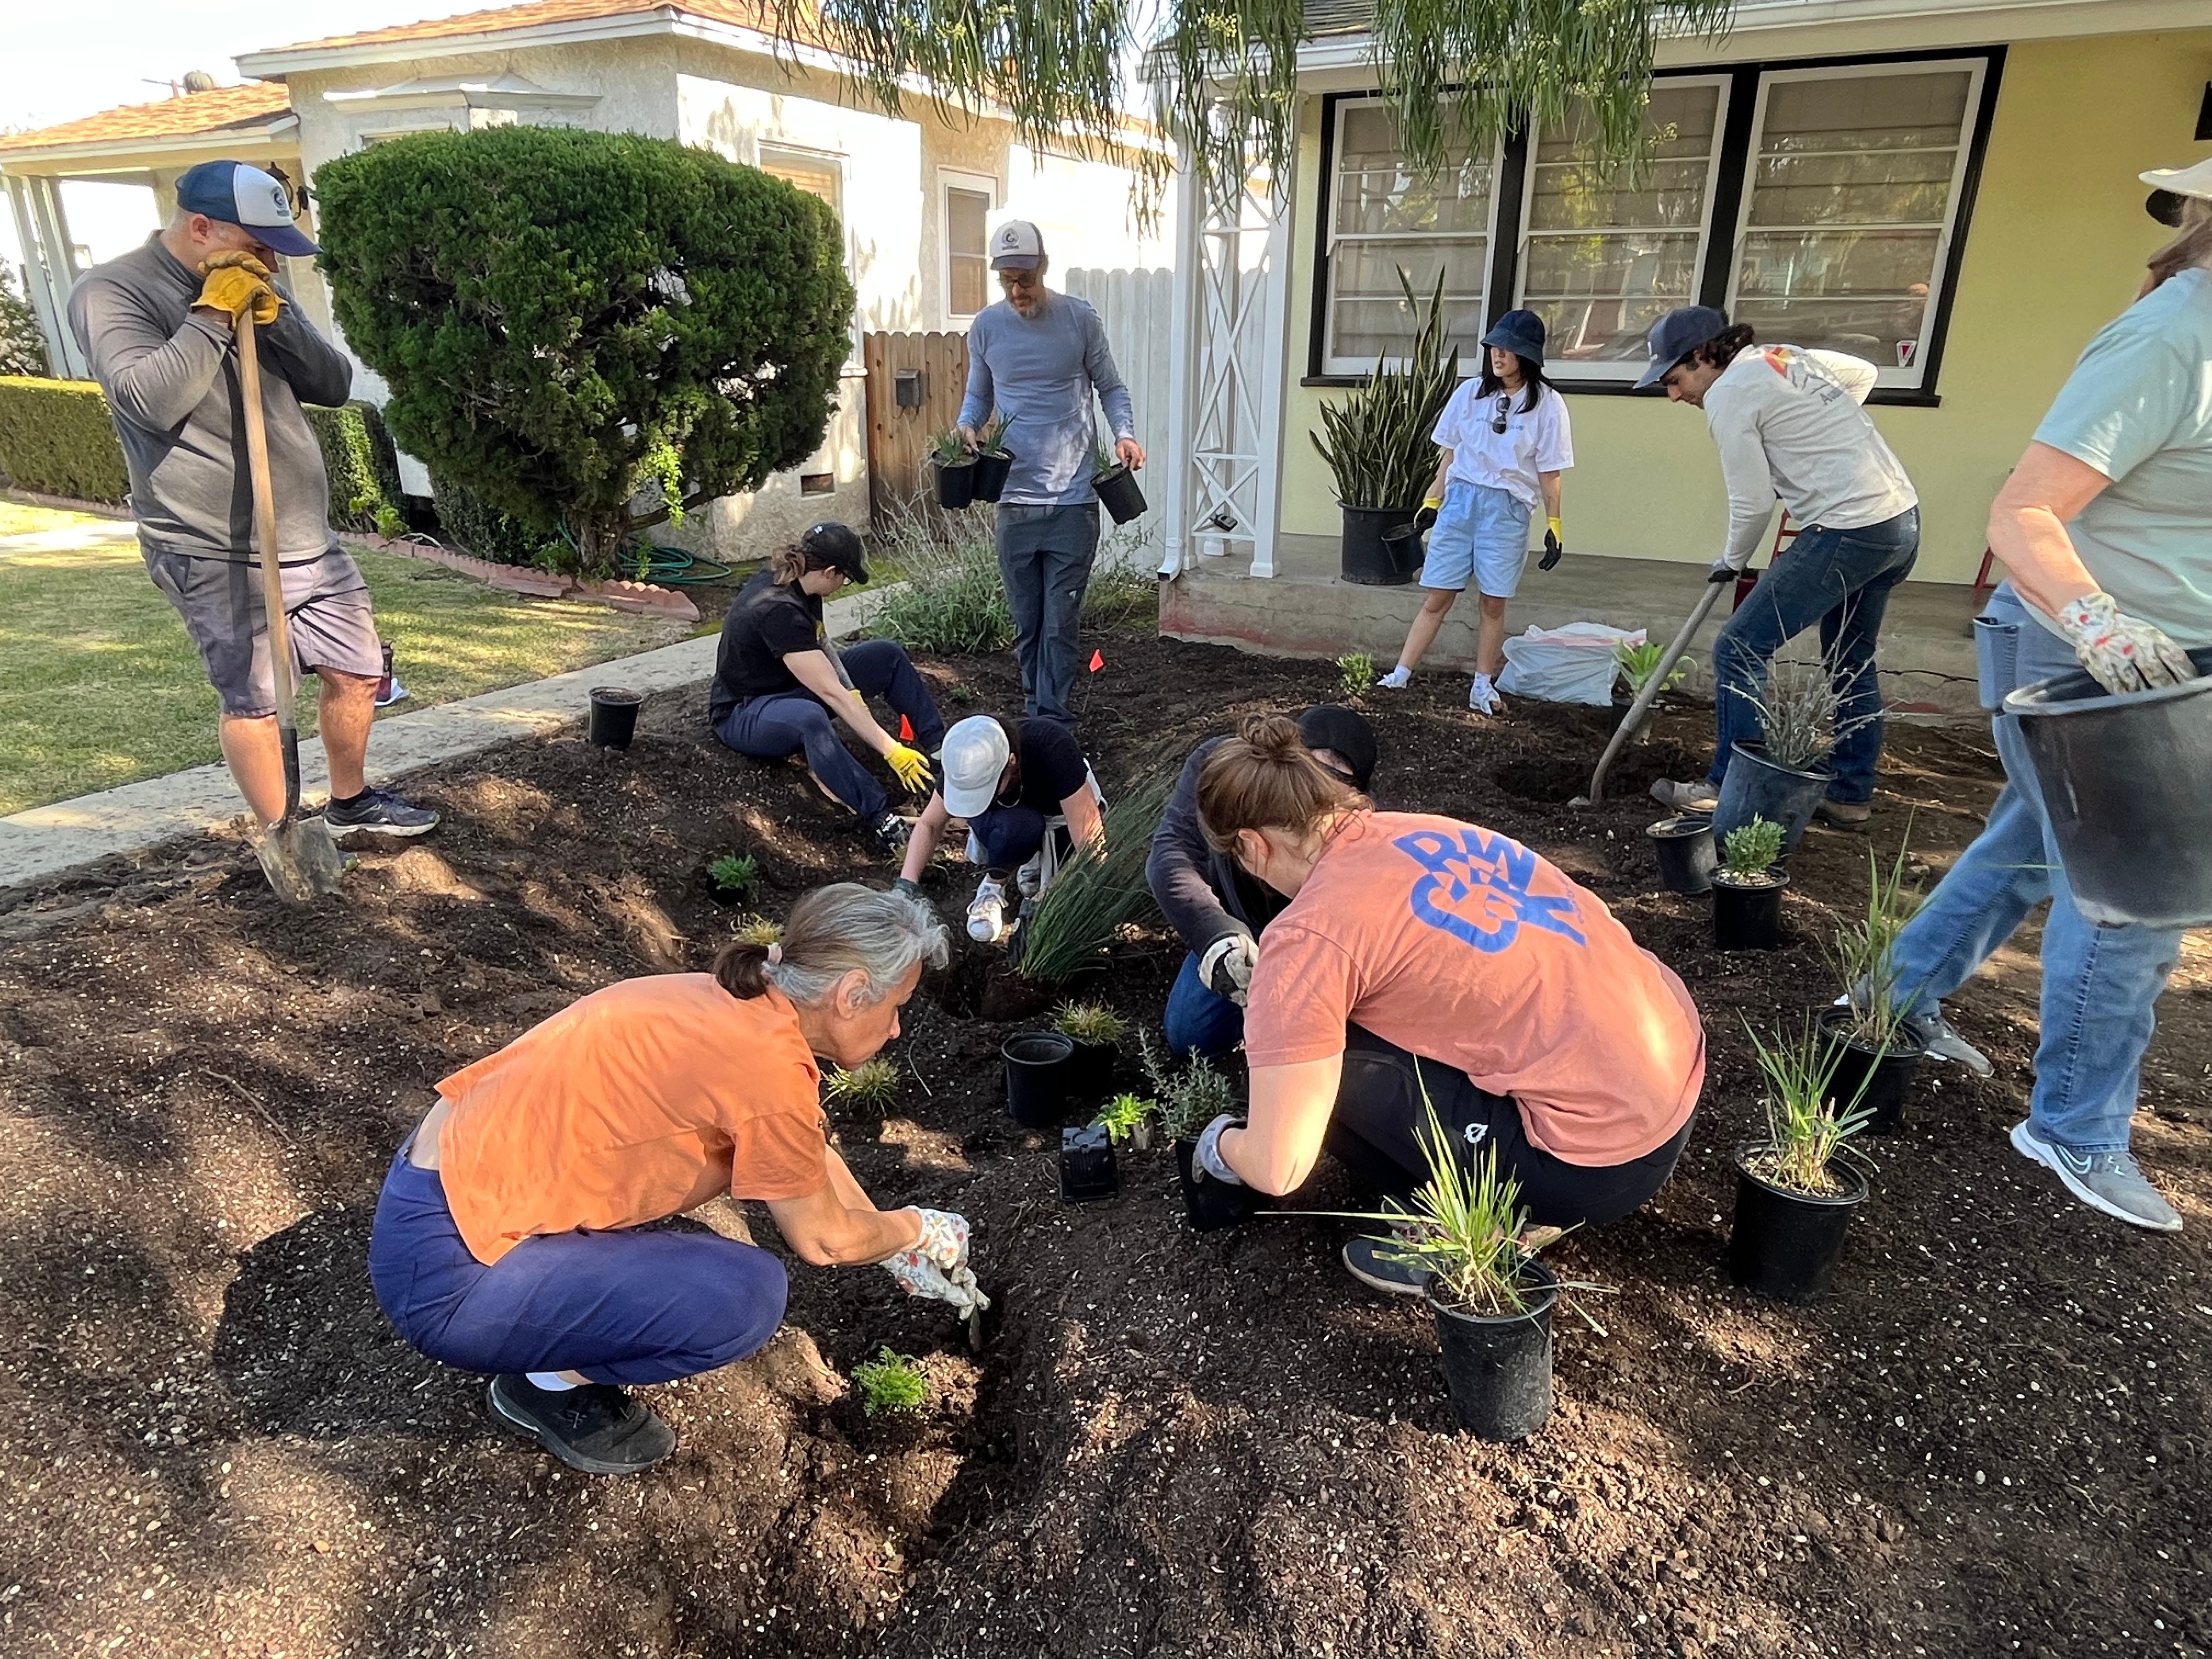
[{"x": 1574, "y": 663}]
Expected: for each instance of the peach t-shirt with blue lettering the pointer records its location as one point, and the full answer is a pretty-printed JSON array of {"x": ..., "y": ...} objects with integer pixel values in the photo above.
[{"x": 1461, "y": 945}]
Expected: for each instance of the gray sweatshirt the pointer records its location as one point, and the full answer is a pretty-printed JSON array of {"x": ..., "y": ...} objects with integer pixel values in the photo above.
[
  {"x": 1040, "y": 374},
  {"x": 171, "y": 377}
]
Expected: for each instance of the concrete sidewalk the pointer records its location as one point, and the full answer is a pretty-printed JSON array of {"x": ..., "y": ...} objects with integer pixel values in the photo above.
[
  {"x": 71, "y": 537},
  {"x": 47, "y": 841}
]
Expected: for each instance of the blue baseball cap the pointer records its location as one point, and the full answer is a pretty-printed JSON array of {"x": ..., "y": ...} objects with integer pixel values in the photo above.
[
  {"x": 1678, "y": 334},
  {"x": 1522, "y": 333},
  {"x": 248, "y": 197}
]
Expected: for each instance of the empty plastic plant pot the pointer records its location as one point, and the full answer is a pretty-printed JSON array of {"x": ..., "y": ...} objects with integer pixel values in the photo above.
[
  {"x": 1498, "y": 1369},
  {"x": 1756, "y": 788},
  {"x": 1118, "y": 493},
  {"x": 1036, "y": 1077},
  {"x": 1785, "y": 1244},
  {"x": 1887, "y": 1077},
  {"x": 1211, "y": 1205},
  {"x": 1748, "y": 911},
  {"x": 991, "y": 472},
  {"x": 1684, "y": 847},
  {"x": 613, "y": 715},
  {"x": 1087, "y": 1169},
  {"x": 1404, "y": 549},
  {"x": 1090, "y": 1070},
  {"x": 955, "y": 485}
]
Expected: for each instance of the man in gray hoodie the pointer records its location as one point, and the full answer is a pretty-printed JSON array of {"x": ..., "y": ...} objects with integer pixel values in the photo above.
[{"x": 158, "y": 325}]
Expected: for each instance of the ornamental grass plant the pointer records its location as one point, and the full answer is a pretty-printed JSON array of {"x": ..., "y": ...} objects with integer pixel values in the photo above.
[{"x": 1806, "y": 1129}]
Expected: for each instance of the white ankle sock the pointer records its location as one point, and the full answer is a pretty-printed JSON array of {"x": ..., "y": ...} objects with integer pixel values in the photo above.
[
  {"x": 1397, "y": 678},
  {"x": 551, "y": 1381}
]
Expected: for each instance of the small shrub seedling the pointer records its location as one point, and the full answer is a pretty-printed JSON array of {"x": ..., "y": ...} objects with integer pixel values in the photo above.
[
  {"x": 1806, "y": 1129},
  {"x": 757, "y": 930},
  {"x": 1750, "y": 849},
  {"x": 735, "y": 874},
  {"x": 872, "y": 1085},
  {"x": 1865, "y": 951},
  {"x": 1801, "y": 715},
  {"x": 889, "y": 1383},
  {"x": 1089, "y": 1023},
  {"x": 1123, "y": 1115},
  {"x": 1639, "y": 663},
  {"x": 1356, "y": 672},
  {"x": 1191, "y": 1098}
]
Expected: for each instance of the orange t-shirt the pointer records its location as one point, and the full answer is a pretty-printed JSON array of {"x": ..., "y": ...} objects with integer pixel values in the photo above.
[
  {"x": 1462, "y": 946},
  {"x": 640, "y": 1101}
]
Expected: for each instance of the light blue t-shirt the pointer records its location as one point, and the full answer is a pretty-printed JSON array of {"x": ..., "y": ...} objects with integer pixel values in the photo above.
[
  {"x": 1042, "y": 372},
  {"x": 2138, "y": 408}
]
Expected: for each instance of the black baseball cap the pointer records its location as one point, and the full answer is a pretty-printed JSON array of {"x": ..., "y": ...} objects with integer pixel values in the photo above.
[
  {"x": 830, "y": 545},
  {"x": 1678, "y": 334}
]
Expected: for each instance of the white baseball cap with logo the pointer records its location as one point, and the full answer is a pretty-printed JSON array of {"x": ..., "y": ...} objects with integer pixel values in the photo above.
[
  {"x": 2195, "y": 180},
  {"x": 1016, "y": 245},
  {"x": 975, "y": 753},
  {"x": 248, "y": 197}
]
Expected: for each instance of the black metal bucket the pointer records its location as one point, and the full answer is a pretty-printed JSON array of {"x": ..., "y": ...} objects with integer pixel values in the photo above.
[{"x": 1366, "y": 560}]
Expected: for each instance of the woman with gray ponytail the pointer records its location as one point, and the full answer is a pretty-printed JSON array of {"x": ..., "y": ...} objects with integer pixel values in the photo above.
[{"x": 513, "y": 1236}]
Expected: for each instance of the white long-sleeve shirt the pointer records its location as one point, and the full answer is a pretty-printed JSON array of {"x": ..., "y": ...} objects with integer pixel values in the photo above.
[{"x": 1788, "y": 423}]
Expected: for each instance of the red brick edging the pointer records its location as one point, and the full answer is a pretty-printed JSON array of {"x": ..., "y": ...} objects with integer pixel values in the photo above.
[{"x": 643, "y": 598}]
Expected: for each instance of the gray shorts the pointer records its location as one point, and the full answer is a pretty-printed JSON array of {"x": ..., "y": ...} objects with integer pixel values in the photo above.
[{"x": 325, "y": 607}]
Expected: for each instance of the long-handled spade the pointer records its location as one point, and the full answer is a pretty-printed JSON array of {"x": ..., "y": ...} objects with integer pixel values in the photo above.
[
  {"x": 1637, "y": 709},
  {"x": 297, "y": 854}
]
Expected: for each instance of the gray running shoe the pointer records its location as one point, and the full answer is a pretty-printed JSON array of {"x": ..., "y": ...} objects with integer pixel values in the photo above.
[
  {"x": 1940, "y": 1039},
  {"x": 1699, "y": 798},
  {"x": 2109, "y": 1181}
]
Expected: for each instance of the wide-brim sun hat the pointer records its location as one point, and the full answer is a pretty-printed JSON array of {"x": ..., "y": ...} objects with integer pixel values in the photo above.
[
  {"x": 2195, "y": 180},
  {"x": 1678, "y": 334},
  {"x": 970, "y": 763},
  {"x": 1522, "y": 333}
]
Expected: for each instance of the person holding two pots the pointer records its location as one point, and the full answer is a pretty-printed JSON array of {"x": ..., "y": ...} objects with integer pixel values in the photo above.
[
  {"x": 1787, "y": 423},
  {"x": 1505, "y": 440},
  {"x": 779, "y": 681},
  {"x": 514, "y": 1234},
  {"x": 1028, "y": 798},
  {"x": 1219, "y": 909},
  {"x": 2104, "y": 531},
  {"x": 1423, "y": 960}
]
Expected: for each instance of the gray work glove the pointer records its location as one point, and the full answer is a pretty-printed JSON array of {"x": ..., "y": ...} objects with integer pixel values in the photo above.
[
  {"x": 1225, "y": 969},
  {"x": 1206, "y": 1156},
  {"x": 1723, "y": 571}
]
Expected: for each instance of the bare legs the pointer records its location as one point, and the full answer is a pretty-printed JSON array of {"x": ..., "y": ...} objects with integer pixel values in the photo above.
[
  {"x": 347, "y": 705},
  {"x": 1436, "y": 604},
  {"x": 1489, "y": 637}
]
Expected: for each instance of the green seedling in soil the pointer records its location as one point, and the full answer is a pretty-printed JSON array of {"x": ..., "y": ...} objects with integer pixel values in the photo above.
[
  {"x": 1124, "y": 1115},
  {"x": 889, "y": 1383},
  {"x": 874, "y": 1084},
  {"x": 1088, "y": 1023},
  {"x": 1098, "y": 891},
  {"x": 1190, "y": 1098},
  {"x": 1102, "y": 459},
  {"x": 758, "y": 930},
  {"x": 949, "y": 448},
  {"x": 1639, "y": 663},
  {"x": 991, "y": 440},
  {"x": 1806, "y": 1129},
  {"x": 734, "y": 873},
  {"x": 1865, "y": 951},
  {"x": 1356, "y": 672},
  {"x": 1750, "y": 849},
  {"x": 962, "y": 695}
]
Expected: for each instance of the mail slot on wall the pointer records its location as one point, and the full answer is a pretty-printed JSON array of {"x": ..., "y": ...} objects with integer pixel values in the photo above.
[{"x": 907, "y": 388}]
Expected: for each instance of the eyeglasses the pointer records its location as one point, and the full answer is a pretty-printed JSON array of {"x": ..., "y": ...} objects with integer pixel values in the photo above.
[{"x": 1499, "y": 411}]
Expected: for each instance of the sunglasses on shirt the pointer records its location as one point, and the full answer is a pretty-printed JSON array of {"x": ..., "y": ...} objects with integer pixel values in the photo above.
[{"x": 1503, "y": 407}]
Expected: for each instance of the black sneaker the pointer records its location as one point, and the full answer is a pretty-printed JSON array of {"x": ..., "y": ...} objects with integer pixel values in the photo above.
[
  {"x": 378, "y": 812},
  {"x": 891, "y": 834},
  {"x": 1369, "y": 1262},
  {"x": 595, "y": 1428}
]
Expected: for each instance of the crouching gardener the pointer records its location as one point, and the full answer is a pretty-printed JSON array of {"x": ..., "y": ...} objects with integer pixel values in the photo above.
[
  {"x": 1546, "y": 1031},
  {"x": 1219, "y": 909},
  {"x": 511, "y": 1236}
]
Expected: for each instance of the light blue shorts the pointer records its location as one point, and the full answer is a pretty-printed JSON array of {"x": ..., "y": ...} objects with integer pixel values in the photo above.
[{"x": 1479, "y": 532}]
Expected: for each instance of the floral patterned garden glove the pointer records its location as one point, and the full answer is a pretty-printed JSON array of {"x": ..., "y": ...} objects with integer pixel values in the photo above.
[{"x": 2122, "y": 653}]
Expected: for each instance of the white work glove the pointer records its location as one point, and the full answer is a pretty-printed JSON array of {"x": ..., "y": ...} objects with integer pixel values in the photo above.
[
  {"x": 2122, "y": 653},
  {"x": 937, "y": 1265},
  {"x": 1225, "y": 969},
  {"x": 1206, "y": 1156}
]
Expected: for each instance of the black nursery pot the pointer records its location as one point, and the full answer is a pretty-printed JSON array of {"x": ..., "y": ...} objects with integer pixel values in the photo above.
[
  {"x": 1887, "y": 1076},
  {"x": 1498, "y": 1370},
  {"x": 955, "y": 485},
  {"x": 1684, "y": 847},
  {"x": 1118, "y": 492},
  {"x": 1747, "y": 917},
  {"x": 613, "y": 715},
  {"x": 1090, "y": 1070},
  {"x": 1087, "y": 1169},
  {"x": 1211, "y": 1205},
  {"x": 991, "y": 470},
  {"x": 1036, "y": 1077},
  {"x": 1785, "y": 1244}
]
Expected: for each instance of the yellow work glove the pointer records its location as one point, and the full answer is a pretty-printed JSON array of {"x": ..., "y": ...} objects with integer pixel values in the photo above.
[
  {"x": 911, "y": 767},
  {"x": 238, "y": 283}
]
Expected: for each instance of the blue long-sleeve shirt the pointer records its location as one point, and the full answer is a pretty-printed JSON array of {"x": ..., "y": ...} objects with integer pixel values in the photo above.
[{"x": 1042, "y": 372}]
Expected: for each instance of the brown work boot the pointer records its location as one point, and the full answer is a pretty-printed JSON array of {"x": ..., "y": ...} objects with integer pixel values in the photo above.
[{"x": 1844, "y": 814}]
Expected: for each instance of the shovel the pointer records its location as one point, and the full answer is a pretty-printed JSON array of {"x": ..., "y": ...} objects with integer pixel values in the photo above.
[
  {"x": 297, "y": 854},
  {"x": 1637, "y": 709}
]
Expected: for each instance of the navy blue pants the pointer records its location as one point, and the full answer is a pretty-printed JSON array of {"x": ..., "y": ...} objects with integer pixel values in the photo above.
[
  {"x": 630, "y": 1307},
  {"x": 768, "y": 728},
  {"x": 1009, "y": 835}
]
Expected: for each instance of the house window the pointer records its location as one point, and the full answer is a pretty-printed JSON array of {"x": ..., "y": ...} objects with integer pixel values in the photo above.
[
  {"x": 808, "y": 170},
  {"x": 967, "y": 201},
  {"x": 1604, "y": 254},
  {"x": 1383, "y": 219},
  {"x": 1850, "y": 207}
]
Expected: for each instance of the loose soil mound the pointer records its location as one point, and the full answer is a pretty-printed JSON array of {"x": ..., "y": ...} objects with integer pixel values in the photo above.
[{"x": 1992, "y": 1440}]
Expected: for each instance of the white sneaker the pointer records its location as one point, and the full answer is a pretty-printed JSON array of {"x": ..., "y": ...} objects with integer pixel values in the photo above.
[
  {"x": 987, "y": 915},
  {"x": 1397, "y": 680},
  {"x": 1482, "y": 696}
]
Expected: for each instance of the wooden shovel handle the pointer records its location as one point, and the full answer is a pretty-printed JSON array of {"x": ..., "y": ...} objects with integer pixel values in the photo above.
[{"x": 287, "y": 685}]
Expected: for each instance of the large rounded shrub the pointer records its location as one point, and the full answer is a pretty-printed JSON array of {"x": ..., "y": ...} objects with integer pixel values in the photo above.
[{"x": 565, "y": 317}]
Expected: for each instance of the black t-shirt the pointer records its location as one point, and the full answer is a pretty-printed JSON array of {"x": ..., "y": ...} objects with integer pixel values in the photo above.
[
  {"x": 1053, "y": 767},
  {"x": 768, "y": 621}
]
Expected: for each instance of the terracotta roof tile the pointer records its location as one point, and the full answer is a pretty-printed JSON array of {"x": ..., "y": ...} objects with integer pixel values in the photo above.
[
  {"x": 535, "y": 14},
  {"x": 251, "y": 104}
]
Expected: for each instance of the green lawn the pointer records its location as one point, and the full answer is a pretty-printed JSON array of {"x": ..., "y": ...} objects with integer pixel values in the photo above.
[
  {"x": 99, "y": 685},
  {"x": 16, "y": 518}
]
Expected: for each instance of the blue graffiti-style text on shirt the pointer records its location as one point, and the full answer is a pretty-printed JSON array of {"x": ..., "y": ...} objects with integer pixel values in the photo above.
[{"x": 1477, "y": 889}]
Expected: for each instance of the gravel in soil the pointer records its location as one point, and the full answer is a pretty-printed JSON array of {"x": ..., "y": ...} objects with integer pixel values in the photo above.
[{"x": 1991, "y": 1440}]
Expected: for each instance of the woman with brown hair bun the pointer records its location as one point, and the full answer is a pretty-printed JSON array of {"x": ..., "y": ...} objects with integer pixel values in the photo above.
[{"x": 1545, "y": 1030}]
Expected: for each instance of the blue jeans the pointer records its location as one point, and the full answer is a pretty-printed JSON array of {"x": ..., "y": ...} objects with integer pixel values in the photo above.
[
  {"x": 1200, "y": 1021},
  {"x": 2098, "y": 983},
  {"x": 1841, "y": 579},
  {"x": 635, "y": 1306},
  {"x": 768, "y": 728},
  {"x": 1045, "y": 555}
]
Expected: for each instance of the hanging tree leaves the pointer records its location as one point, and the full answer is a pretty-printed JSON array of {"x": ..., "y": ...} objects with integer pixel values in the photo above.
[{"x": 1455, "y": 74}]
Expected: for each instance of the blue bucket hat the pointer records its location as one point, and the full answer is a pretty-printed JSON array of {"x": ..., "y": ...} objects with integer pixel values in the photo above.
[
  {"x": 1521, "y": 333},
  {"x": 1678, "y": 334}
]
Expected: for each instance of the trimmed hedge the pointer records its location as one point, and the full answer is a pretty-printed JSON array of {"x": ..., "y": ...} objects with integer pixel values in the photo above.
[
  {"x": 481, "y": 528},
  {"x": 350, "y": 437},
  {"x": 56, "y": 438}
]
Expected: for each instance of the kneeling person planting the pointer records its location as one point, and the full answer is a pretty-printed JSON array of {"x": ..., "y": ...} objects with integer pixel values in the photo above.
[
  {"x": 511, "y": 1236},
  {"x": 1421, "y": 959}
]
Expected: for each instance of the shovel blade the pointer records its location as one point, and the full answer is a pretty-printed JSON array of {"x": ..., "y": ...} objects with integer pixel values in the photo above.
[{"x": 299, "y": 859}]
